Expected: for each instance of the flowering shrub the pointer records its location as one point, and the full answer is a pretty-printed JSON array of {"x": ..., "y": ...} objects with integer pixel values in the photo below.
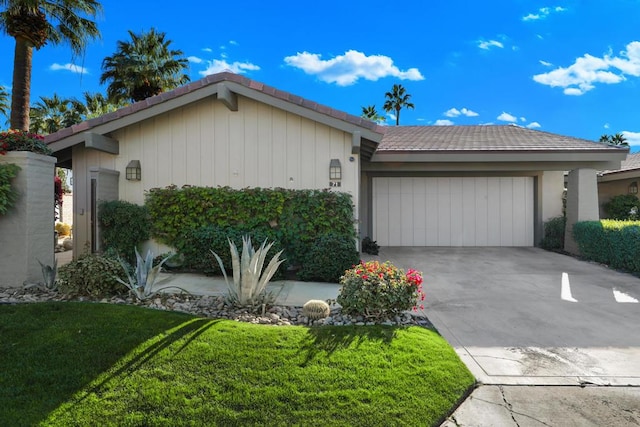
[
  {"x": 378, "y": 290},
  {"x": 19, "y": 140}
]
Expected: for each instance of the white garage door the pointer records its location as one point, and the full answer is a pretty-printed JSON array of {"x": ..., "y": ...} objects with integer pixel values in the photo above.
[{"x": 466, "y": 211}]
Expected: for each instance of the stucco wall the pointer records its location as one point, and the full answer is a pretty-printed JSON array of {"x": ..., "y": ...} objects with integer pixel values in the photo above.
[
  {"x": 552, "y": 189},
  {"x": 206, "y": 144},
  {"x": 27, "y": 229},
  {"x": 606, "y": 190}
]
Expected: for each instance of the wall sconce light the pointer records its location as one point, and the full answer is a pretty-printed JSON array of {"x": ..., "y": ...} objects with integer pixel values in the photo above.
[
  {"x": 633, "y": 188},
  {"x": 335, "y": 169},
  {"x": 133, "y": 171}
]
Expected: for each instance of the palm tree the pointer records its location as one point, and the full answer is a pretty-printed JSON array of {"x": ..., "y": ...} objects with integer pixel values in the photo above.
[
  {"x": 34, "y": 23},
  {"x": 143, "y": 67},
  {"x": 96, "y": 104},
  {"x": 617, "y": 139},
  {"x": 397, "y": 99},
  {"x": 52, "y": 114},
  {"x": 4, "y": 102},
  {"x": 370, "y": 113}
]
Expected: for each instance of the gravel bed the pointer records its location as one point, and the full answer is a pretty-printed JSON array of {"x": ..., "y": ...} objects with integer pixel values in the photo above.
[{"x": 214, "y": 307}]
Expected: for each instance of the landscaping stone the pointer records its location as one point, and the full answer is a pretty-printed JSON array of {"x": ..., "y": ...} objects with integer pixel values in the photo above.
[{"x": 211, "y": 307}]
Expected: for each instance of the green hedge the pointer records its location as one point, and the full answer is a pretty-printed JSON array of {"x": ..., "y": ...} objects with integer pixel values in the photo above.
[
  {"x": 553, "y": 239},
  {"x": 611, "y": 242},
  {"x": 190, "y": 218},
  {"x": 123, "y": 227}
]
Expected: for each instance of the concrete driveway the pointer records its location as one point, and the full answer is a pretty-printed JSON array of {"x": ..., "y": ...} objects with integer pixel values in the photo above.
[
  {"x": 540, "y": 331},
  {"x": 528, "y": 316}
]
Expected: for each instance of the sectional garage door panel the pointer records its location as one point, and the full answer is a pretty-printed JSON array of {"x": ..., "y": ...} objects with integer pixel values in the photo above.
[{"x": 446, "y": 211}]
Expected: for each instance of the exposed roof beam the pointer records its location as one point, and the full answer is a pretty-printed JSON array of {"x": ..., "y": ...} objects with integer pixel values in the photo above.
[
  {"x": 228, "y": 98},
  {"x": 101, "y": 143}
]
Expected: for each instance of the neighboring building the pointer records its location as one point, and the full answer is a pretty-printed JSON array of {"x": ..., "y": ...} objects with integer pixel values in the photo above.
[
  {"x": 624, "y": 180},
  {"x": 411, "y": 185}
]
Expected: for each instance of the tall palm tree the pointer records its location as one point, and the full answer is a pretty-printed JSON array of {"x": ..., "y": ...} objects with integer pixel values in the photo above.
[
  {"x": 397, "y": 99},
  {"x": 34, "y": 23},
  {"x": 370, "y": 113},
  {"x": 52, "y": 114},
  {"x": 143, "y": 67}
]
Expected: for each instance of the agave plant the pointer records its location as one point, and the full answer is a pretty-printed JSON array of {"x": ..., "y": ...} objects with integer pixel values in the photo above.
[
  {"x": 249, "y": 280},
  {"x": 141, "y": 284},
  {"x": 48, "y": 276}
]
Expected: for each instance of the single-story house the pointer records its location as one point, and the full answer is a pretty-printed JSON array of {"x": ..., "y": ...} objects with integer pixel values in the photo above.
[
  {"x": 411, "y": 185},
  {"x": 615, "y": 182}
]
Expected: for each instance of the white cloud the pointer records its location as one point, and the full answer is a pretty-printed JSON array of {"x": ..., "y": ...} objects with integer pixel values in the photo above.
[
  {"x": 194, "y": 59},
  {"x": 69, "y": 67},
  {"x": 443, "y": 122},
  {"x": 233, "y": 42},
  {"x": 454, "y": 112},
  {"x": 207, "y": 49},
  {"x": 347, "y": 69},
  {"x": 523, "y": 119},
  {"x": 633, "y": 138},
  {"x": 606, "y": 126},
  {"x": 533, "y": 125},
  {"x": 391, "y": 116},
  {"x": 545, "y": 63},
  {"x": 542, "y": 13},
  {"x": 586, "y": 71},
  {"x": 506, "y": 117},
  {"x": 220, "y": 65},
  {"x": 488, "y": 44}
]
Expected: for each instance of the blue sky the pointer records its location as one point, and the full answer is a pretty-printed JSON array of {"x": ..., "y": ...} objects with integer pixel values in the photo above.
[{"x": 567, "y": 67}]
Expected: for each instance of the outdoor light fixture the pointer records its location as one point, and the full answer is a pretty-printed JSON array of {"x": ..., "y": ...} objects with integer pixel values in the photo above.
[
  {"x": 633, "y": 188},
  {"x": 335, "y": 170},
  {"x": 133, "y": 172}
]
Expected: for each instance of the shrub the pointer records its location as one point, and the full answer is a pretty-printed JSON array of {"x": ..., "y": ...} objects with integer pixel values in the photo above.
[
  {"x": 615, "y": 243},
  {"x": 623, "y": 207},
  {"x": 370, "y": 247},
  {"x": 92, "y": 275},
  {"x": 195, "y": 246},
  {"x": 328, "y": 258},
  {"x": 554, "y": 233},
  {"x": 63, "y": 229},
  {"x": 377, "y": 290},
  {"x": 8, "y": 195},
  {"x": 123, "y": 226}
]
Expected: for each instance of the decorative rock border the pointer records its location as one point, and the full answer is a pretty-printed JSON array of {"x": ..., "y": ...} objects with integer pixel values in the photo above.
[{"x": 213, "y": 307}]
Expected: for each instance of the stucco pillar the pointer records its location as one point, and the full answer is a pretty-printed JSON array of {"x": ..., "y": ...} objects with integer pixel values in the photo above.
[
  {"x": 26, "y": 230},
  {"x": 582, "y": 203}
]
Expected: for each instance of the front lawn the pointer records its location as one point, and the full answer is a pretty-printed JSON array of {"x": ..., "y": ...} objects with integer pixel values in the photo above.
[{"x": 97, "y": 364}]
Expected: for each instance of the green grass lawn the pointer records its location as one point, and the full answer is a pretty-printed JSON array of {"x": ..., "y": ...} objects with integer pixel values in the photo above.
[{"x": 83, "y": 364}]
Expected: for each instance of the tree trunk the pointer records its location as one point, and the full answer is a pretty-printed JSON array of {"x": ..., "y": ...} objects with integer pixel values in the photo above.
[
  {"x": 21, "y": 91},
  {"x": 397, "y": 117}
]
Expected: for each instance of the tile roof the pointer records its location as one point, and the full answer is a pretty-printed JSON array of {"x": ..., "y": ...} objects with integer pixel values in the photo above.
[
  {"x": 632, "y": 162},
  {"x": 480, "y": 138},
  {"x": 207, "y": 81}
]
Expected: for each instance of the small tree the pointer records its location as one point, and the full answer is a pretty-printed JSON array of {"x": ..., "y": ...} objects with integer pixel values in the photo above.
[
  {"x": 617, "y": 139},
  {"x": 370, "y": 113}
]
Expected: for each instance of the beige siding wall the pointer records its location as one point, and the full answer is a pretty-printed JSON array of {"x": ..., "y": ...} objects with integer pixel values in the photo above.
[
  {"x": 552, "y": 189},
  {"x": 206, "y": 144}
]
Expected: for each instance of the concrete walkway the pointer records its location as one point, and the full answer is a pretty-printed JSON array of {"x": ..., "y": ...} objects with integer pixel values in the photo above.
[{"x": 287, "y": 293}]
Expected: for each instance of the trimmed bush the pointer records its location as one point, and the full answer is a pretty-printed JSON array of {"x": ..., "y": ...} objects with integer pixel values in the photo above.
[
  {"x": 615, "y": 243},
  {"x": 123, "y": 227},
  {"x": 328, "y": 258},
  {"x": 379, "y": 291},
  {"x": 92, "y": 275},
  {"x": 195, "y": 246},
  {"x": 623, "y": 207},
  {"x": 554, "y": 234},
  {"x": 63, "y": 228},
  {"x": 370, "y": 247},
  {"x": 298, "y": 217}
]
